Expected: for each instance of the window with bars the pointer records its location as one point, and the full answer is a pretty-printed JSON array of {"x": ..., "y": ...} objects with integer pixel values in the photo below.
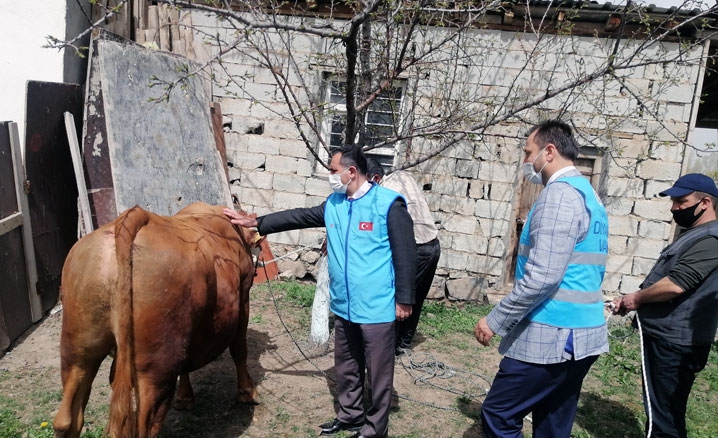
[{"x": 380, "y": 122}]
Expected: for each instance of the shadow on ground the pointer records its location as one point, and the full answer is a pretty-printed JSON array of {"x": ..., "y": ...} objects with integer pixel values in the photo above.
[
  {"x": 216, "y": 412},
  {"x": 599, "y": 416}
]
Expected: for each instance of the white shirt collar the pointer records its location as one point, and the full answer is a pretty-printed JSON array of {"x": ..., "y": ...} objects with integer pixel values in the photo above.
[
  {"x": 361, "y": 191},
  {"x": 559, "y": 173}
]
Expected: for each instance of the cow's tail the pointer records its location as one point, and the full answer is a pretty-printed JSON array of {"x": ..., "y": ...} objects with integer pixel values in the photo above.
[{"x": 125, "y": 395}]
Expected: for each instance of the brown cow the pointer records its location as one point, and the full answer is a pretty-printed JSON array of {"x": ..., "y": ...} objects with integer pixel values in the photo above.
[{"x": 166, "y": 295}]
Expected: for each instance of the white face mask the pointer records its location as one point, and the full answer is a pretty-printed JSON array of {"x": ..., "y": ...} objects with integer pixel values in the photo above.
[
  {"x": 335, "y": 182},
  {"x": 530, "y": 173}
]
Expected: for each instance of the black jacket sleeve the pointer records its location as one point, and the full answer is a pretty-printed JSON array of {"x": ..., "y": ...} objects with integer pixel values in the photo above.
[
  {"x": 293, "y": 219},
  {"x": 403, "y": 250}
]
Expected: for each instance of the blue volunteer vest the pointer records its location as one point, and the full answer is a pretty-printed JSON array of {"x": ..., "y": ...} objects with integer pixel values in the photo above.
[
  {"x": 361, "y": 271},
  {"x": 578, "y": 303}
]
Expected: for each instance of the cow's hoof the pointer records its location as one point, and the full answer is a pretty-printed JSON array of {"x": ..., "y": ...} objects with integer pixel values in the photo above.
[{"x": 248, "y": 398}]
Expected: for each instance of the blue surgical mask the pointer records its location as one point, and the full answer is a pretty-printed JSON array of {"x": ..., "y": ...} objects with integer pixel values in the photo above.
[
  {"x": 335, "y": 182},
  {"x": 530, "y": 173}
]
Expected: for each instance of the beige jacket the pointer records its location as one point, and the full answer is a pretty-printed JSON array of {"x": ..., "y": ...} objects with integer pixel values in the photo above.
[{"x": 402, "y": 182}]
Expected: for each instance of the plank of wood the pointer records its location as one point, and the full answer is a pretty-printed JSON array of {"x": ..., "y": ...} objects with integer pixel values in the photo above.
[
  {"x": 31, "y": 265},
  {"x": 173, "y": 20},
  {"x": 140, "y": 36},
  {"x": 10, "y": 223},
  {"x": 85, "y": 213},
  {"x": 153, "y": 18},
  {"x": 164, "y": 29},
  {"x": 139, "y": 11}
]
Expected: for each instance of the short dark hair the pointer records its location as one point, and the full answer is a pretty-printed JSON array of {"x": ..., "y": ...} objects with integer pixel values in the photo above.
[
  {"x": 559, "y": 134},
  {"x": 712, "y": 198},
  {"x": 351, "y": 156},
  {"x": 373, "y": 167}
]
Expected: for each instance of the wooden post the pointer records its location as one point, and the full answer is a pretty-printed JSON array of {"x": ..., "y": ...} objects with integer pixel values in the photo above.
[
  {"x": 164, "y": 29},
  {"x": 24, "y": 208},
  {"x": 85, "y": 213},
  {"x": 186, "y": 31}
]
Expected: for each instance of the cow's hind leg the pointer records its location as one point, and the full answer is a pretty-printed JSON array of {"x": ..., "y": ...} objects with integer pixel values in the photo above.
[
  {"x": 76, "y": 385},
  {"x": 184, "y": 397},
  {"x": 247, "y": 392},
  {"x": 155, "y": 400}
]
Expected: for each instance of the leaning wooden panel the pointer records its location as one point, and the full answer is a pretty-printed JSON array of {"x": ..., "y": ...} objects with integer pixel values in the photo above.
[
  {"x": 15, "y": 309},
  {"x": 51, "y": 189}
]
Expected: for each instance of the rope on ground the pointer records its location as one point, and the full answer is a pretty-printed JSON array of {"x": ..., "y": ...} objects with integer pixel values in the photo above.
[{"x": 423, "y": 367}]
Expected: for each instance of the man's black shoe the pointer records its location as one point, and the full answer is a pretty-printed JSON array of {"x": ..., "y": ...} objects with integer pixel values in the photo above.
[
  {"x": 400, "y": 351},
  {"x": 334, "y": 426}
]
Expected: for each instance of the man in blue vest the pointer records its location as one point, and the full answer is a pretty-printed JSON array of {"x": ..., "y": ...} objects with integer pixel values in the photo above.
[
  {"x": 552, "y": 321},
  {"x": 372, "y": 266},
  {"x": 677, "y": 306}
]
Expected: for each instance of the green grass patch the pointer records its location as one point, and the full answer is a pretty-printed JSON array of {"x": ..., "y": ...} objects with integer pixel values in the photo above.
[
  {"x": 612, "y": 393},
  {"x": 299, "y": 294},
  {"x": 439, "y": 319},
  {"x": 10, "y": 425}
]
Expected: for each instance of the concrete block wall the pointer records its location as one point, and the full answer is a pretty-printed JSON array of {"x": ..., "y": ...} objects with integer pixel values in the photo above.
[{"x": 472, "y": 188}]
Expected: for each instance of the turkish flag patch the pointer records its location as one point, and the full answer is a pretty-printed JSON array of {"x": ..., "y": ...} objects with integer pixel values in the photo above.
[{"x": 366, "y": 226}]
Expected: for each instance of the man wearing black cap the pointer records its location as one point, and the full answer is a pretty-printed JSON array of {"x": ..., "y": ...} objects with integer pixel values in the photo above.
[{"x": 677, "y": 306}]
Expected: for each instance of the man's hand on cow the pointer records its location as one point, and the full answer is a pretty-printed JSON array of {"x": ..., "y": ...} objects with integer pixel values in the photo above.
[
  {"x": 483, "y": 332},
  {"x": 239, "y": 218},
  {"x": 403, "y": 311}
]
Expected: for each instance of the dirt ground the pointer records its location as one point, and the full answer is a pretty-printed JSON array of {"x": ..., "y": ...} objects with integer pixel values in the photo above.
[{"x": 439, "y": 388}]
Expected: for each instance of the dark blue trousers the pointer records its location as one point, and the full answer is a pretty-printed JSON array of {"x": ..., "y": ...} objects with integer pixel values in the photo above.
[
  {"x": 670, "y": 370},
  {"x": 549, "y": 392}
]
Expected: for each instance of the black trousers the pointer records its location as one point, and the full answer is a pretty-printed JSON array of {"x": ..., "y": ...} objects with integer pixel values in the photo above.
[
  {"x": 427, "y": 258},
  {"x": 670, "y": 372}
]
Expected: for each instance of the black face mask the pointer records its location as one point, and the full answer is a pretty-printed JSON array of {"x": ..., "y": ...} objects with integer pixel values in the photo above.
[{"x": 687, "y": 217}]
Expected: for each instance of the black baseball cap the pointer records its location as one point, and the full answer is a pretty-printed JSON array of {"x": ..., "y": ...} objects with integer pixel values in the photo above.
[{"x": 692, "y": 182}]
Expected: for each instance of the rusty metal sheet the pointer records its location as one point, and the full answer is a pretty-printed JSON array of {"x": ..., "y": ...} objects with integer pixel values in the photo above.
[
  {"x": 52, "y": 192},
  {"x": 95, "y": 150},
  {"x": 218, "y": 130},
  {"x": 15, "y": 315}
]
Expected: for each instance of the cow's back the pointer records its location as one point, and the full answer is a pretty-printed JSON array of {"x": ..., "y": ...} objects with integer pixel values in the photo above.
[{"x": 186, "y": 272}]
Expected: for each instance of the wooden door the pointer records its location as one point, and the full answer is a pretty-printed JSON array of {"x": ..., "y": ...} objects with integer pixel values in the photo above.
[
  {"x": 528, "y": 193},
  {"x": 19, "y": 304},
  {"x": 51, "y": 188}
]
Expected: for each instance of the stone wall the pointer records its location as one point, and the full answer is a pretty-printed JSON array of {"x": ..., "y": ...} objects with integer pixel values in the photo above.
[{"x": 473, "y": 187}]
